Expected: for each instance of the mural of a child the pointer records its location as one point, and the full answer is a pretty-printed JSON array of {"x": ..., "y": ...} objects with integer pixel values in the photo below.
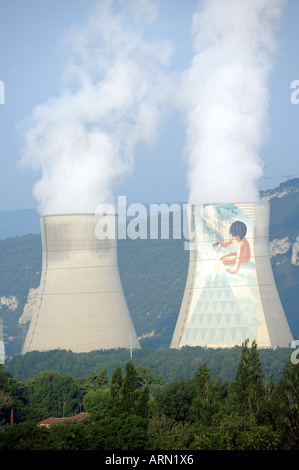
[{"x": 241, "y": 254}]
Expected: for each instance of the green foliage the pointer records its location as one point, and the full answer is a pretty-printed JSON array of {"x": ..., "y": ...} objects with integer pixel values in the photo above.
[
  {"x": 248, "y": 389},
  {"x": 286, "y": 398},
  {"x": 125, "y": 397},
  {"x": 137, "y": 410},
  {"x": 124, "y": 432},
  {"x": 12, "y": 398},
  {"x": 168, "y": 434},
  {"x": 95, "y": 402},
  {"x": 174, "y": 400},
  {"x": 209, "y": 397},
  {"x": 145, "y": 376},
  {"x": 24, "y": 436},
  {"x": 235, "y": 436},
  {"x": 115, "y": 404},
  {"x": 119, "y": 412},
  {"x": 170, "y": 365},
  {"x": 52, "y": 395},
  {"x": 93, "y": 381},
  {"x": 128, "y": 390},
  {"x": 243, "y": 414}
]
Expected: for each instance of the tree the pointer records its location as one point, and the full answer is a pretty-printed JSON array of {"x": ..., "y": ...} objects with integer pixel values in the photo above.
[
  {"x": 125, "y": 432},
  {"x": 209, "y": 397},
  {"x": 287, "y": 405},
  {"x": 120, "y": 412},
  {"x": 52, "y": 394},
  {"x": 128, "y": 391},
  {"x": 125, "y": 397},
  {"x": 174, "y": 400},
  {"x": 145, "y": 377},
  {"x": 12, "y": 398},
  {"x": 24, "y": 436},
  {"x": 96, "y": 402},
  {"x": 233, "y": 434},
  {"x": 248, "y": 389},
  {"x": 167, "y": 434},
  {"x": 115, "y": 405},
  {"x": 93, "y": 381}
]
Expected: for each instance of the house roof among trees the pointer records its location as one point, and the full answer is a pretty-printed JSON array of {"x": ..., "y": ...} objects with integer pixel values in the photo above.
[{"x": 49, "y": 421}]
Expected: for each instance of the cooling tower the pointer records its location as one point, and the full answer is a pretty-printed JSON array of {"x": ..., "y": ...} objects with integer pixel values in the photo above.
[
  {"x": 81, "y": 305},
  {"x": 230, "y": 293}
]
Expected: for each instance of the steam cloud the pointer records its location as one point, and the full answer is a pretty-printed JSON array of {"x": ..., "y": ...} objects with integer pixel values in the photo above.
[
  {"x": 118, "y": 85},
  {"x": 83, "y": 141},
  {"x": 225, "y": 97}
]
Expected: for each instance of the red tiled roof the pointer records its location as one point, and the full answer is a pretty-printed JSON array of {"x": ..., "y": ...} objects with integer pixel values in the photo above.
[
  {"x": 79, "y": 416},
  {"x": 48, "y": 421}
]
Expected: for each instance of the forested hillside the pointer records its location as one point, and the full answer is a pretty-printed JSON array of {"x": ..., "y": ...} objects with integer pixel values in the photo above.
[
  {"x": 136, "y": 409},
  {"x": 171, "y": 364}
]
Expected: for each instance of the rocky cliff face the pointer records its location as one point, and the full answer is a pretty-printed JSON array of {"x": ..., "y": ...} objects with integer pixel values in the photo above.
[
  {"x": 29, "y": 306},
  {"x": 281, "y": 191},
  {"x": 10, "y": 302},
  {"x": 284, "y": 202},
  {"x": 279, "y": 246},
  {"x": 288, "y": 246},
  {"x": 295, "y": 252}
]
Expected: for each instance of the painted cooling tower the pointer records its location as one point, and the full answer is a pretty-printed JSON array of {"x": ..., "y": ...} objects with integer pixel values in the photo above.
[
  {"x": 230, "y": 294},
  {"x": 81, "y": 305}
]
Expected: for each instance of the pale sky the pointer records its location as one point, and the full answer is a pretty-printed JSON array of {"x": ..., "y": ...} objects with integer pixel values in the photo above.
[{"x": 32, "y": 65}]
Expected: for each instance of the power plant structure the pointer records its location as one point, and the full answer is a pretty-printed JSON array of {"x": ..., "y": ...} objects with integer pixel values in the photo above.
[
  {"x": 80, "y": 305},
  {"x": 230, "y": 294}
]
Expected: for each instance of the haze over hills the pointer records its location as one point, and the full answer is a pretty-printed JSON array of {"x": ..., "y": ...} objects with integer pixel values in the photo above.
[
  {"x": 153, "y": 272},
  {"x": 18, "y": 222}
]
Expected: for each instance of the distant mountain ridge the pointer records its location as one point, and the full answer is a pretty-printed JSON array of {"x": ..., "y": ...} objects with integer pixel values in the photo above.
[
  {"x": 18, "y": 223},
  {"x": 21, "y": 222}
]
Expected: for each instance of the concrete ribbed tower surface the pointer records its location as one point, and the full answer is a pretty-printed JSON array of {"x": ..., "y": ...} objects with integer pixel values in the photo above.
[
  {"x": 230, "y": 293},
  {"x": 80, "y": 305}
]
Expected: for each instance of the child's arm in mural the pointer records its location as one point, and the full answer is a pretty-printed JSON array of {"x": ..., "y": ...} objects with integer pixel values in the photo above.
[
  {"x": 237, "y": 265},
  {"x": 237, "y": 261},
  {"x": 224, "y": 244},
  {"x": 228, "y": 258}
]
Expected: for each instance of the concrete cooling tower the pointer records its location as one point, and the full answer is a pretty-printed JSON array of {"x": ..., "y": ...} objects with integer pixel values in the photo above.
[
  {"x": 81, "y": 305},
  {"x": 230, "y": 294}
]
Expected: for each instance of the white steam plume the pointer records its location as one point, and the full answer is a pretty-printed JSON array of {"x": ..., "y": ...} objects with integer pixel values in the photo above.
[
  {"x": 225, "y": 97},
  {"x": 83, "y": 141}
]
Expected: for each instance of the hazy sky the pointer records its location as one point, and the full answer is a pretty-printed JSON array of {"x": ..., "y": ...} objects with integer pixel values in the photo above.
[{"x": 33, "y": 62}]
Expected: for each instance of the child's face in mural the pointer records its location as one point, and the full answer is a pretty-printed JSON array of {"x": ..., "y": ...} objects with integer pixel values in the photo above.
[{"x": 235, "y": 238}]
